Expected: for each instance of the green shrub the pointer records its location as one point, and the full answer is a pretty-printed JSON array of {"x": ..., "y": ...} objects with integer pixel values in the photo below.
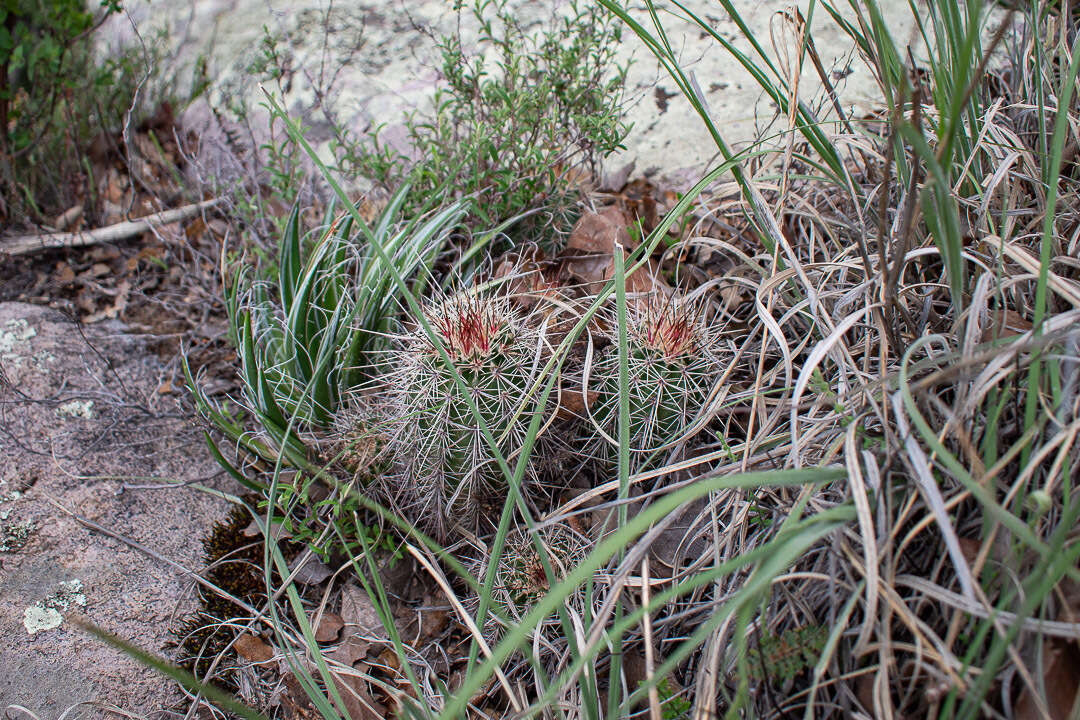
[
  {"x": 55, "y": 98},
  {"x": 517, "y": 127}
]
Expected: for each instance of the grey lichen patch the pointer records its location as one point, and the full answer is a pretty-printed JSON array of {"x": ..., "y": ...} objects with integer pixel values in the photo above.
[
  {"x": 77, "y": 409},
  {"x": 15, "y": 340},
  {"x": 13, "y": 536},
  {"x": 46, "y": 614},
  {"x": 15, "y": 346},
  {"x": 8, "y": 496},
  {"x": 38, "y": 619}
]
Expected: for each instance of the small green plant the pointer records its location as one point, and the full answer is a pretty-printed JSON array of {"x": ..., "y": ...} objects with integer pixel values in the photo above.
[
  {"x": 517, "y": 121},
  {"x": 784, "y": 656},
  {"x": 673, "y": 706},
  {"x": 673, "y": 360},
  {"x": 13, "y": 536},
  {"x": 447, "y": 470},
  {"x": 304, "y": 342}
]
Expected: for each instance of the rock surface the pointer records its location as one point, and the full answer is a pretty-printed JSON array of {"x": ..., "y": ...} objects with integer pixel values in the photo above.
[
  {"x": 389, "y": 64},
  {"x": 84, "y": 430}
]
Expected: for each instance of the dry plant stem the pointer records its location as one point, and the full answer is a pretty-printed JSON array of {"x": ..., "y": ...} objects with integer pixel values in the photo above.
[
  {"x": 27, "y": 244},
  {"x": 438, "y": 576},
  {"x": 650, "y": 663}
]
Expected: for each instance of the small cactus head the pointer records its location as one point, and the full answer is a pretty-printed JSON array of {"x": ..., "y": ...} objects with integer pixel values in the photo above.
[
  {"x": 471, "y": 328},
  {"x": 668, "y": 327},
  {"x": 446, "y": 471},
  {"x": 521, "y": 579},
  {"x": 673, "y": 359}
]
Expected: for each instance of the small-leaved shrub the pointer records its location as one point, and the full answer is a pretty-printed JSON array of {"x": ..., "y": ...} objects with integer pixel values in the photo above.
[{"x": 518, "y": 126}]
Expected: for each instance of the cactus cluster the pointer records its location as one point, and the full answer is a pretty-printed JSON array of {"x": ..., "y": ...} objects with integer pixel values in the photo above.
[
  {"x": 673, "y": 359},
  {"x": 446, "y": 469}
]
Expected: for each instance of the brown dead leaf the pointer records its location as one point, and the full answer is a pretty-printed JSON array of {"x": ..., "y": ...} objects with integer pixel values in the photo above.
[
  {"x": 359, "y": 614},
  {"x": 590, "y": 253},
  {"x": 1061, "y": 676},
  {"x": 253, "y": 649},
  {"x": 350, "y": 651},
  {"x": 311, "y": 572},
  {"x": 276, "y": 530},
  {"x": 353, "y": 689},
  {"x": 329, "y": 627},
  {"x": 573, "y": 404},
  {"x": 970, "y": 547},
  {"x": 1004, "y": 324},
  {"x": 596, "y": 233},
  {"x": 358, "y": 702},
  {"x": 681, "y": 539},
  {"x": 639, "y": 200},
  {"x": 117, "y": 306},
  {"x": 296, "y": 702},
  {"x": 194, "y": 229},
  {"x": 422, "y": 624},
  {"x": 864, "y": 691},
  {"x": 64, "y": 274}
]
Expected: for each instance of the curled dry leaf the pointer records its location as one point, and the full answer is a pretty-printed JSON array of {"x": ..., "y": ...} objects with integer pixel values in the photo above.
[
  {"x": 308, "y": 570},
  {"x": 573, "y": 403},
  {"x": 123, "y": 292},
  {"x": 1061, "y": 678},
  {"x": 590, "y": 253},
  {"x": 328, "y": 627},
  {"x": 253, "y": 649},
  {"x": 359, "y": 614}
]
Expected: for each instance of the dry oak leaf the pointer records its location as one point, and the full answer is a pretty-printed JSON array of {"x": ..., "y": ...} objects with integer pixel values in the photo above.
[
  {"x": 1061, "y": 678},
  {"x": 328, "y": 627},
  {"x": 253, "y": 649},
  {"x": 590, "y": 253}
]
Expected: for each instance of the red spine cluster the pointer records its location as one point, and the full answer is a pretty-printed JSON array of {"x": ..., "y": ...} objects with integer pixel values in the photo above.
[
  {"x": 670, "y": 328},
  {"x": 468, "y": 328}
]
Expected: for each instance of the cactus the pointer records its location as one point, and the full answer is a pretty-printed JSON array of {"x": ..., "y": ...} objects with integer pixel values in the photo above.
[
  {"x": 446, "y": 469},
  {"x": 673, "y": 360},
  {"x": 521, "y": 580}
]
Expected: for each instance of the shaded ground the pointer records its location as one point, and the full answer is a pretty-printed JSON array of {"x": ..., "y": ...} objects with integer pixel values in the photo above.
[{"x": 87, "y": 430}]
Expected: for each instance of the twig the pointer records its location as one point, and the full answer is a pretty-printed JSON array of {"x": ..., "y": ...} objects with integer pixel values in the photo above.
[
  {"x": 25, "y": 244},
  {"x": 85, "y": 522}
]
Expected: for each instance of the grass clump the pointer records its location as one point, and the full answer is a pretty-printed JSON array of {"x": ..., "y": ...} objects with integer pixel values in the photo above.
[{"x": 897, "y": 423}]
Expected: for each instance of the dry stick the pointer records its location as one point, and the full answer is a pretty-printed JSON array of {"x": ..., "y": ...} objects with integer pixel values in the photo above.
[
  {"x": 26, "y": 244},
  {"x": 256, "y": 615},
  {"x": 655, "y": 713}
]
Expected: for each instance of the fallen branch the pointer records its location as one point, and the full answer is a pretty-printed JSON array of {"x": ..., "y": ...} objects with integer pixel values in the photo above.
[{"x": 25, "y": 244}]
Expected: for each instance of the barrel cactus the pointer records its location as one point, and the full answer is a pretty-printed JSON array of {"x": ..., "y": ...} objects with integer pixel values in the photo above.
[
  {"x": 446, "y": 470},
  {"x": 521, "y": 579},
  {"x": 673, "y": 360}
]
